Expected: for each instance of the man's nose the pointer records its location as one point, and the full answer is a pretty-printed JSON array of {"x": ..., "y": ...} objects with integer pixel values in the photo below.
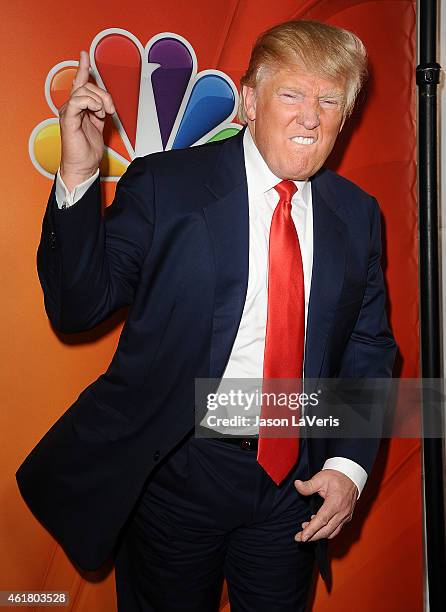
[{"x": 309, "y": 116}]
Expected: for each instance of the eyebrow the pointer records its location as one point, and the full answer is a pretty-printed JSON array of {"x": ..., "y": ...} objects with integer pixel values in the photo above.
[{"x": 333, "y": 93}]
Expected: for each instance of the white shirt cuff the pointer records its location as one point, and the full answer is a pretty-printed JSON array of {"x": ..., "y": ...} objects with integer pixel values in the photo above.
[
  {"x": 350, "y": 468},
  {"x": 66, "y": 199}
]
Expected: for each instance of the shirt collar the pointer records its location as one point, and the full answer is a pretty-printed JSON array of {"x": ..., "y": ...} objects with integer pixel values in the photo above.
[{"x": 260, "y": 178}]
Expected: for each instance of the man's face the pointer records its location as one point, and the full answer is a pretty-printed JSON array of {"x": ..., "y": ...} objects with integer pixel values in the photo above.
[{"x": 294, "y": 117}]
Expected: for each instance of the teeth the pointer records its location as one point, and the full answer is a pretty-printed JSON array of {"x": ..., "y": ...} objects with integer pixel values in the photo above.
[{"x": 303, "y": 141}]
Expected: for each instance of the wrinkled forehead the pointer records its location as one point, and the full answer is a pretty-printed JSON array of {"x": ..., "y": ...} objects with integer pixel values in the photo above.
[{"x": 298, "y": 74}]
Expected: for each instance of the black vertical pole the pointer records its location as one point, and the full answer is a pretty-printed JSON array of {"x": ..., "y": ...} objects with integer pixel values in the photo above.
[{"x": 427, "y": 74}]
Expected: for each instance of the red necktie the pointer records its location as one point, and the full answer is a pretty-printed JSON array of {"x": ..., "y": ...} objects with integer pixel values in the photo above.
[{"x": 285, "y": 329}]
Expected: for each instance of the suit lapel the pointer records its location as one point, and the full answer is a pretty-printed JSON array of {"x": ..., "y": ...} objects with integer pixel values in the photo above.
[
  {"x": 329, "y": 257},
  {"x": 227, "y": 219}
]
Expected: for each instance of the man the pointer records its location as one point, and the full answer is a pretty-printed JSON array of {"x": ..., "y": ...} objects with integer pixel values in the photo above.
[{"x": 229, "y": 255}]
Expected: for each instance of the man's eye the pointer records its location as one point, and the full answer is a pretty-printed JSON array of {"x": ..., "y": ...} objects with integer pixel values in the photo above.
[
  {"x": 330, "y": 102},
  {"x": 289, "y": 98}
]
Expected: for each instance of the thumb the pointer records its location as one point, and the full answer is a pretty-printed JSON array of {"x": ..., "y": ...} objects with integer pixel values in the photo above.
[{"x": 306, "y": 487}]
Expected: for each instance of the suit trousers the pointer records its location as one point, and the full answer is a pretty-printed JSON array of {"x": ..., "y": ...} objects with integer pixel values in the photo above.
[{"x": 209, "y": 512}]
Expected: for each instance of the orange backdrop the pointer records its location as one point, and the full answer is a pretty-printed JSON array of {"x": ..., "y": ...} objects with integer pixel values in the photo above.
[{"x": 377, "y": 560}]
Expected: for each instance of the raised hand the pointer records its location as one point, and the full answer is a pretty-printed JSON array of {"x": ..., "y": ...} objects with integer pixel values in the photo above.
[{"x": 82, "y": 120}]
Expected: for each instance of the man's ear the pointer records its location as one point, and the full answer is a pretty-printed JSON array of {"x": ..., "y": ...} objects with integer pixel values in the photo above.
[{"x": 249, "y": 102}]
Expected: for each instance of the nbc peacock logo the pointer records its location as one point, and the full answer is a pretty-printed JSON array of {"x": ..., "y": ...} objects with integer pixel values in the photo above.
[{"x": 161, "y": 101}]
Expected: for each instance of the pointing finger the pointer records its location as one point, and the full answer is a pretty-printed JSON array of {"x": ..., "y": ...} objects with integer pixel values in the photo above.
[{"x": 83, "y": 71}]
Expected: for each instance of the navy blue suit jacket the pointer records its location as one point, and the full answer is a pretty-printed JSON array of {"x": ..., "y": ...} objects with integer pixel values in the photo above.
[{"x": 174, "y": 246}]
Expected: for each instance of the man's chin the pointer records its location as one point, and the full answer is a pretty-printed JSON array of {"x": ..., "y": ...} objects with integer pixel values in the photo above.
[
  {"x": 297, "y": 171},
  {"x": 301, "y": 168},
  {"x": 300, "y": 174}
]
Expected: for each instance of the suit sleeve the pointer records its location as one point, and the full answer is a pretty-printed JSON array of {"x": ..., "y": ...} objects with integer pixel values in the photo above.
[
  {"x": 89, "y": 261},
  {"x": 370, "y": 351}
]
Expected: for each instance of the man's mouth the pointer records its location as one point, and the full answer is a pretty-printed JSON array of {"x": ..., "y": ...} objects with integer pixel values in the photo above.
[{"x": 304, "y": 140}]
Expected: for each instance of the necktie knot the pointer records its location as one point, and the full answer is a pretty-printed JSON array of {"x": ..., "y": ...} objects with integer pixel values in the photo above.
[{"x": 286, "y": 190}]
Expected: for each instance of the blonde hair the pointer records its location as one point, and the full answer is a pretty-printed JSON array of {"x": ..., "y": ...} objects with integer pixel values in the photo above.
[{"x": 324, "y": 50}]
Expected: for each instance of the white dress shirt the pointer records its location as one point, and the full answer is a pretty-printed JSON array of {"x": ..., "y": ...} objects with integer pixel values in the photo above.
[{"x": 246, "y": 358}]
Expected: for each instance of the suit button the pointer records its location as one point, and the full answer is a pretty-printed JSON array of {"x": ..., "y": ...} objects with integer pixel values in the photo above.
[
  {"x": 156, "y": 455},
  {"x": 52, "y": 240}
]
